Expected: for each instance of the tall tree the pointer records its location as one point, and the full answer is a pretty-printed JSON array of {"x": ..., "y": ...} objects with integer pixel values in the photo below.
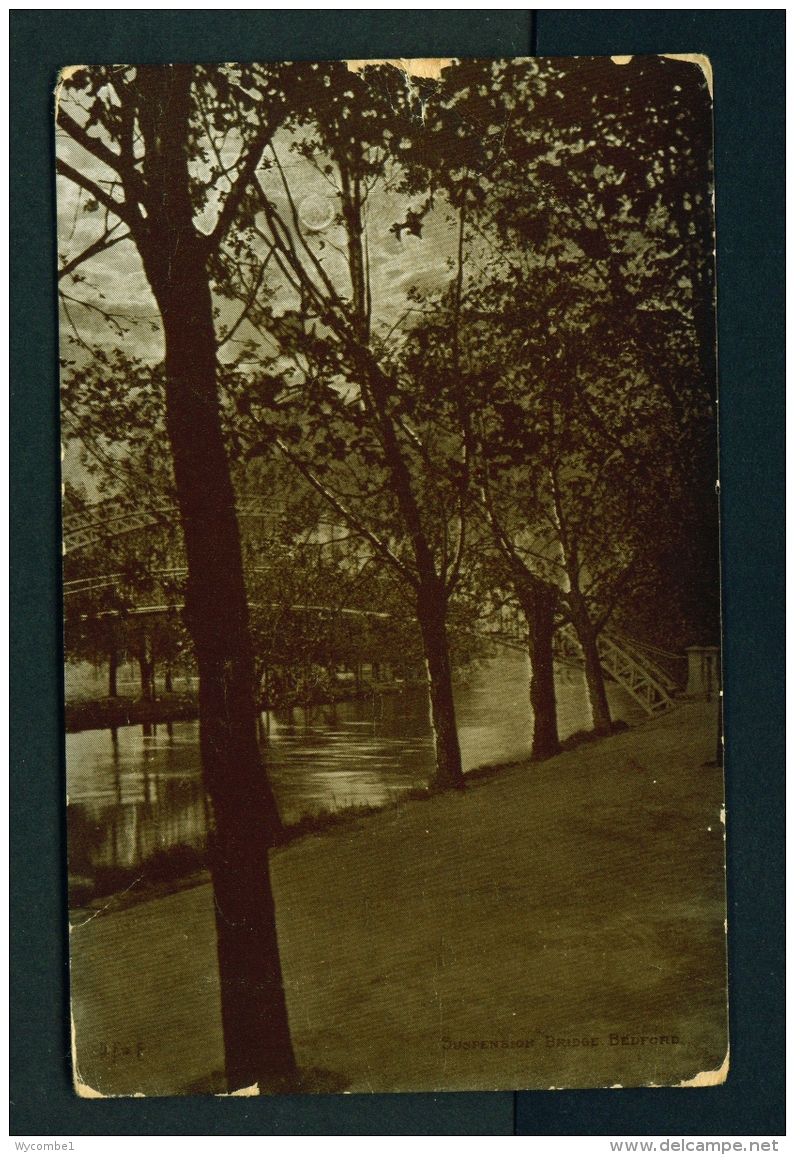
[
  {"x": 596, "y": 306},
  {"x": 493, "y": 402},
  {"x": 170, "y": 152},
  {"x": 387, "y": 468}
]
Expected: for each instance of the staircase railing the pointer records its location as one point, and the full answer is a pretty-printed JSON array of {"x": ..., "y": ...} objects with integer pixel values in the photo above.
[
  {"x": 651, "y": 687},
  {"x": 634, "y": 676}
]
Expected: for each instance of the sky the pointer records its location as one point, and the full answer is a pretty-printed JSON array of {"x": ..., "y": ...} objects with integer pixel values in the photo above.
[{"x": 115, "y": 279}]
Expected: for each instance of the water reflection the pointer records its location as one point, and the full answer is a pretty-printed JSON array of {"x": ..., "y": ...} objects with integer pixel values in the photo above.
[{"x": 133, "y": 793}]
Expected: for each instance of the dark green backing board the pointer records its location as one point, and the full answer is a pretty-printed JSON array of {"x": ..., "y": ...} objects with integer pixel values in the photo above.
[{"x": 747, "y": 52}]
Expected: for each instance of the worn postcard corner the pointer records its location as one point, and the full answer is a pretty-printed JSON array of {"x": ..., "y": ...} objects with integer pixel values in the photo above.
[
  {"x": 82, "y": 1090},
  {"x": 709, "y": 1078}
]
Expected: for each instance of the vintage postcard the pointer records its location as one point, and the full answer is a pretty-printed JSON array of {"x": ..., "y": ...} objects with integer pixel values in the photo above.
[{"x": 391, "y": 589}]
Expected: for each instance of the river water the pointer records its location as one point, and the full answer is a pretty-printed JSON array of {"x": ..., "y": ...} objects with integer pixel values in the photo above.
[{"x": 133, "y": 793}]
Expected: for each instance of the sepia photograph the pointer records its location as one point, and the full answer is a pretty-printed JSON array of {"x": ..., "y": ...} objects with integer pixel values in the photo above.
[{"x": 394, "y": 752}]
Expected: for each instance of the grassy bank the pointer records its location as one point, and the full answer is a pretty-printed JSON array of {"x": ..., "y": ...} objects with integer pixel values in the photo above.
[
  {"x": 178, "y": 866},
  {"x": 461, "y": 941}
]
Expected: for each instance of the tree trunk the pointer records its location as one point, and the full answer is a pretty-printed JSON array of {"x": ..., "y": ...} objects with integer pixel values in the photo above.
[
  {"x": 431, "y": 594},
  {"x": 594, "y": 677},
  {"x": 432, "y": 613},
  {"x": 244, "y": 821},
  {"x": 113, "y": 669},
  {"x": 147, "y": 667},
  {"x": 168, "y": 681},
  {"x": 245, "y": 818},
  {"x": 539, "y": 602},
  {"x": 432, "y": 600}
]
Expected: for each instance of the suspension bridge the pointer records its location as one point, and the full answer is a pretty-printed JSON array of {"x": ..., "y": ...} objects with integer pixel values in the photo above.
[
  {"x": 115, "y": 517},
  {"x": 625, "y": 661}
]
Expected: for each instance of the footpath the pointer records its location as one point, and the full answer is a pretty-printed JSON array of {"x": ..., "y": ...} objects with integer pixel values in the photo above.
[{"x": 557, "y": 924}]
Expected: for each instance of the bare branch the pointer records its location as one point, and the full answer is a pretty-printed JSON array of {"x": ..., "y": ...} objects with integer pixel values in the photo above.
[
  {"x": 238, "y": 190},
  {"x": 345, "y": 513},
  {"x": 296, "y": 222},
  {"x": 499, "y": 532},
  {"x": 105, "y": 242},
  {"x": 119, "y": 208},
  {"x": 113, "y": 319},
  {"x": 250, "y": 299},
  {"x": 91, "y": 144},
  {"x": 454, "y": 571},
  {"x": 288, "y": 262}
]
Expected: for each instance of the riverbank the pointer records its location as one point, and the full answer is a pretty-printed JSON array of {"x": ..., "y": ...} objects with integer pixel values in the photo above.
[
  {"x": 443, "y": 943},
  {"x": 113, "y": 713}
]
